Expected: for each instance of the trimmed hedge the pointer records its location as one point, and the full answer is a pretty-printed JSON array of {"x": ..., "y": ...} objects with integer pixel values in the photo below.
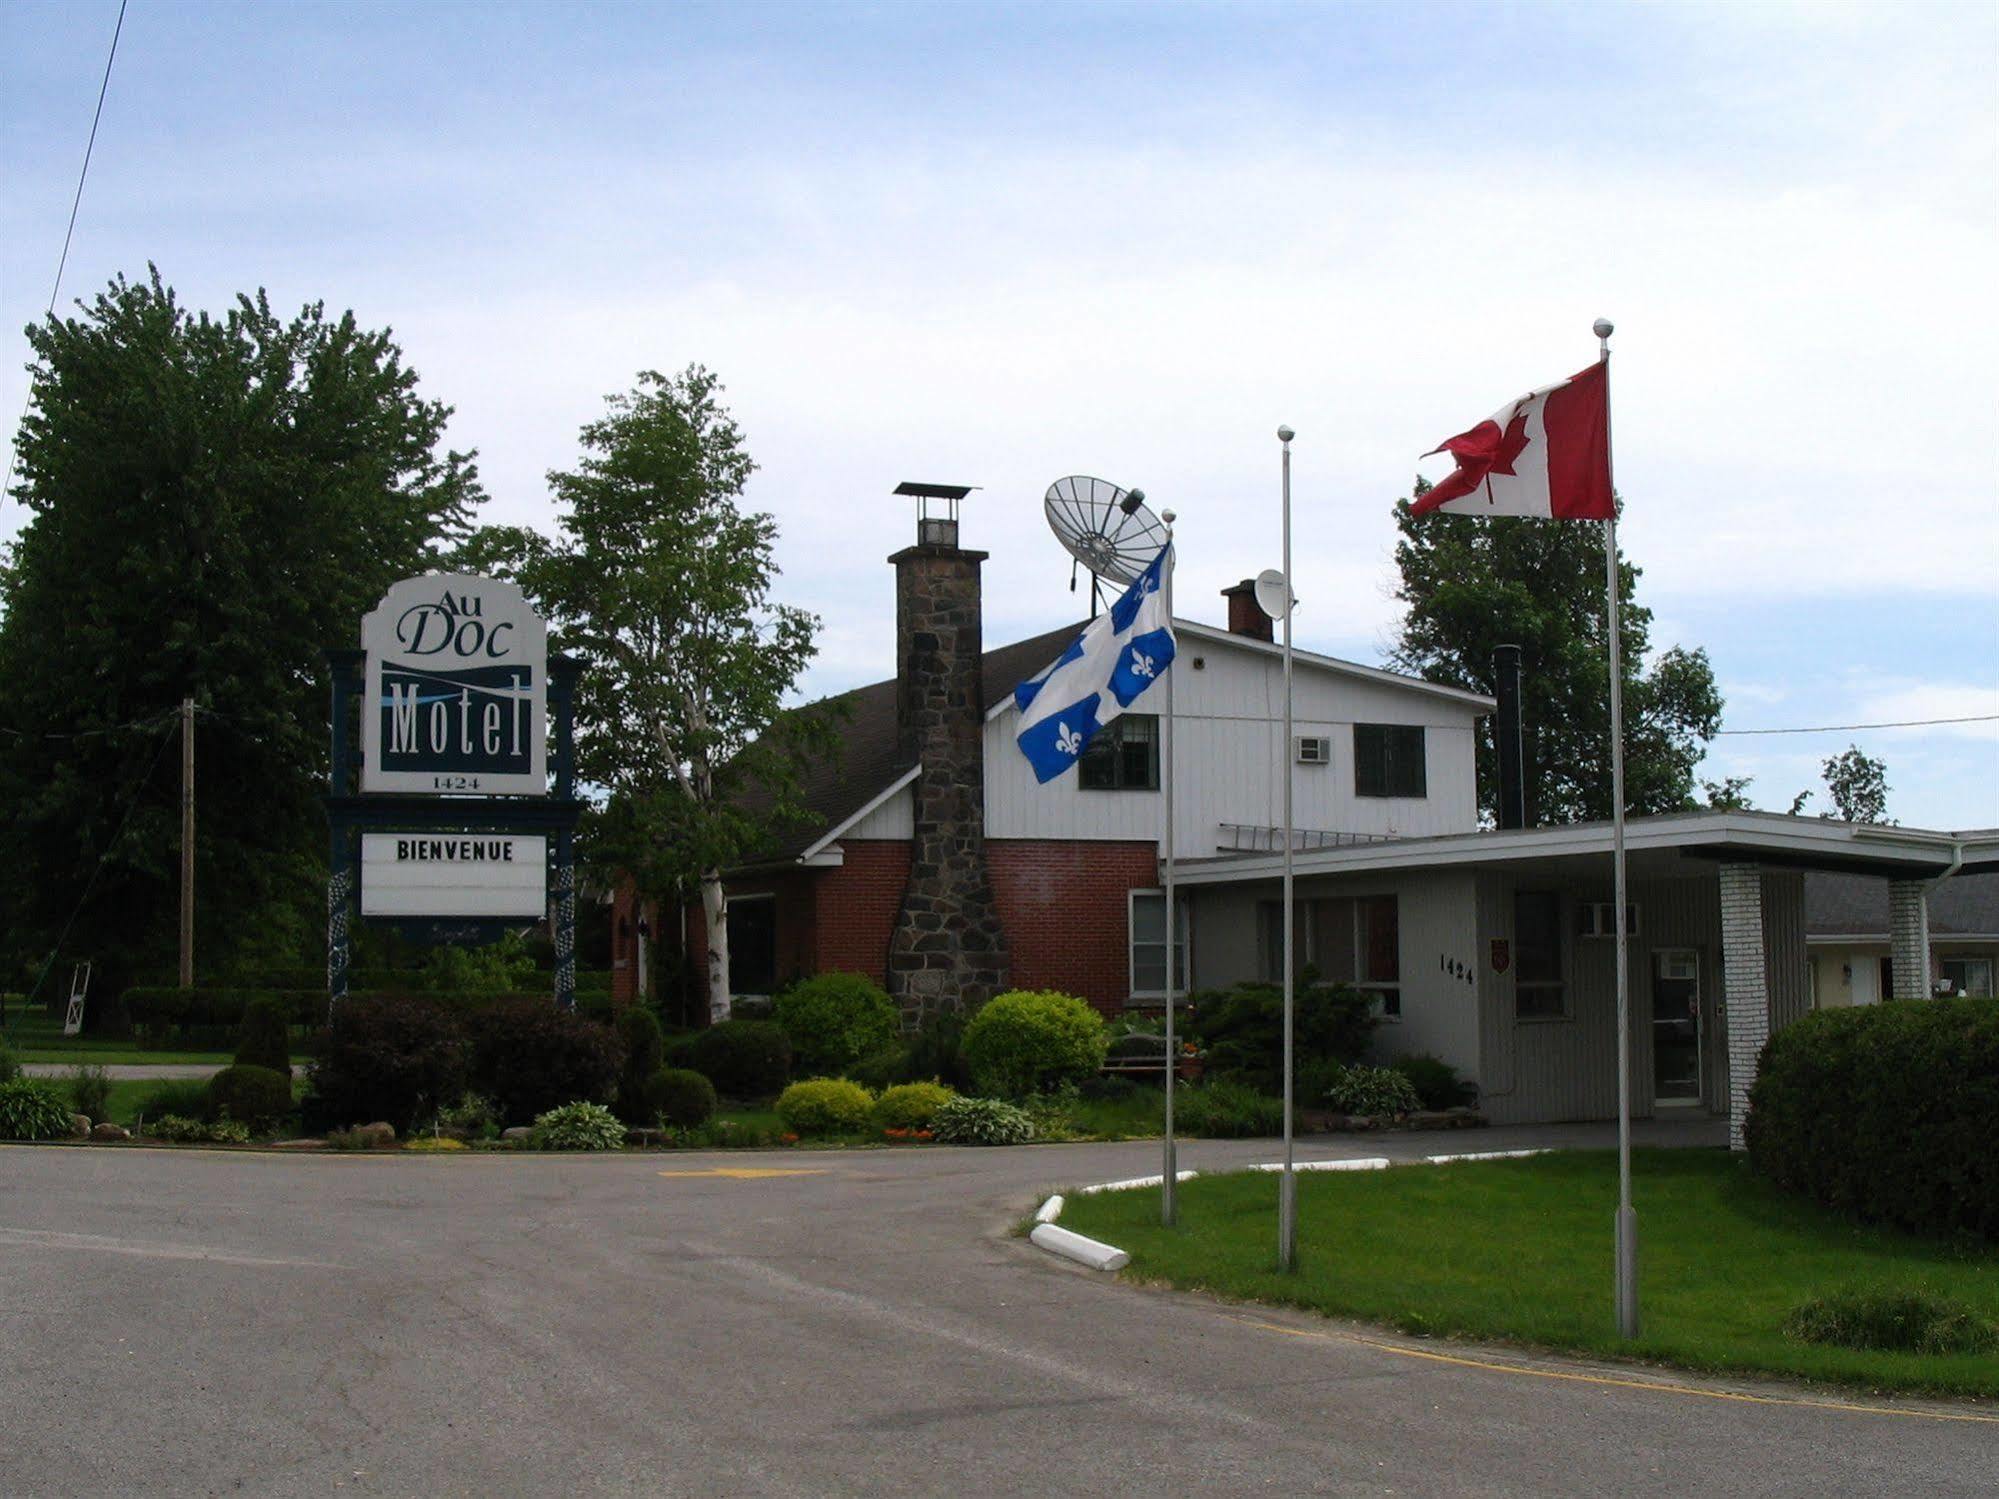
[
  {"x": 835, "y": 1019},
  {"x": 264, "y": 1040},
  {"x": 256, "y": 1096},
  {"x": 1888, "y": 1113},
  {"x": 529, "y": 1057},
  {"x": 744, "y": 1059},
  {"x": 391, "y": 1059},
  {"x": 1241, "y": 1030},
  {"x": 1030, "y": 1040},
  {"x": 911, "y": 1105},
  {"x": 825, "y": 1106}
]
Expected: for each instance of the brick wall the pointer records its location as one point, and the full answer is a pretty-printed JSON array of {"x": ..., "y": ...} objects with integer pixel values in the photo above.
[
  {"x": 1064, "y": 906},
  {"x": 1744, "y": 987},
  {"x": 856, "y": 907}
]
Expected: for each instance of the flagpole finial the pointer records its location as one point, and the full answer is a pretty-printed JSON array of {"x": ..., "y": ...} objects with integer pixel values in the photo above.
[
  {"x": 1603, "y": 327},
  {"x": 1285, "y": 434},
  {"x": 1168, "y": 516}
]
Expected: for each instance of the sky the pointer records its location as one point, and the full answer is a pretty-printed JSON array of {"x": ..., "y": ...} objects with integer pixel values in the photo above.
[{"x": 996, "y": 244}]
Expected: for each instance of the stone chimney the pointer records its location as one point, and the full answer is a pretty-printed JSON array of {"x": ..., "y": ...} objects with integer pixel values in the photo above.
[
  {"x": 948, "y": 950},
  {"x": 1244, "y": 617}
]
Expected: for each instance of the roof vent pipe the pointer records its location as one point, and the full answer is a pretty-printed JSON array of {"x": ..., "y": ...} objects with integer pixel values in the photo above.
[{"x": 1506, "y": 736}]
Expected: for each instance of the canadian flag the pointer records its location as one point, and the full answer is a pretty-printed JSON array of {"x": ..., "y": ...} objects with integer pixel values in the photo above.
[{"x": 1546, "y": 454}]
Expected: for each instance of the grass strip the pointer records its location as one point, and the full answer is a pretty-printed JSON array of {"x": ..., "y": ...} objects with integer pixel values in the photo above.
[{"x": 1520, "y": 1251}]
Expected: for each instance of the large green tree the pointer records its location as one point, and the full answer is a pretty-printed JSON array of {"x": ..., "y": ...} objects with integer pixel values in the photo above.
[
  {"x": 661, "y": 582},
  {"x": 212, "y": 502},
  {"x": 1470, "y": 583}
]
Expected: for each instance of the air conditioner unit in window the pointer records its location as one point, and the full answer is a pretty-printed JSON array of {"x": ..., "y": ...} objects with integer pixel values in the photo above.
[
  {"x": 1315, "y": 750},
  {"x": 1594, "y": 919}
]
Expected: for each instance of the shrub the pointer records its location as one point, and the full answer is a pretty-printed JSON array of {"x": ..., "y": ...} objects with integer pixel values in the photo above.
[
  {"x": 911, "y": 1105},
  {"x": 529, "y": 1058},
  {"x": 1895, "y": 1321},
  {"x": 887, "y": 1068},
  {"x": 1437, "y": 1083},
  {"x": 264, "y": 1041},
  {"x": 90, "y": 1093},
  {"x": 394, "y": 1058},
  {"x": 1360, "y": 1089},
  {"x": 742, "y": 1058},
  {"x": 676, "y": 1097},
  {"x": 1026, "y": 1041},
  {"x": 825, "y": 1106},
  {"x": 504, "y": 967},
  {"x": 638, "y": 1032},
  {"x": 834, "y": 1020},
  {"x": 473, "y": 1117},
  {"x": 1886, "y": 1113},
  {"x": 434, "y": 1142},
  {"x": 937, "y": 1051},
  {"x": 577, "y": 1126},
  {"x": 1241, "y": 1030},
  {"x": 175, "y": 1128},
  {"x": 9, "y": 1068},
  {"x": 184, "y": 1097},
  {"x": 256, "y": 1096},
  {"x": 1053, "y": 1114},
  {"x": 31, "y": 1109},
  {"x": 1225, "y": 1110},
  {"x": 981, "y": 1121}
]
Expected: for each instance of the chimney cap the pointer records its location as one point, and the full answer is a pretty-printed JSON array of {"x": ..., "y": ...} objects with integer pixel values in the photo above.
[{"x": 934, "y": 491}]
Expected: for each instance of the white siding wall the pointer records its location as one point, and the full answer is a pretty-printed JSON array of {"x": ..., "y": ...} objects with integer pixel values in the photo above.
[
  {"x": 894, "y": 818},
  {"x": 1229, "y": 721}
]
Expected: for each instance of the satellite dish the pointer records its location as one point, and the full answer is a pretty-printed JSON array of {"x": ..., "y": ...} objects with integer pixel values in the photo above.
[
  {"x": 1106, "y": 529},
  {"x": 1272, "y": 597}
]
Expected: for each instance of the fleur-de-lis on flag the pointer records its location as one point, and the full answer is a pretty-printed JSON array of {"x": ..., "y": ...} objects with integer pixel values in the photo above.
[
  {"x": 1067, "y": 739},
  {"x": 1141, "y": 665}
]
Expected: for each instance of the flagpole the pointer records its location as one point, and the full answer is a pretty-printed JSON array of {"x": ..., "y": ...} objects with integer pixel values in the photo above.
[
  {"x": 1627, "y": 1216},
  {"x": 1169, "y": 1178},
  {"x": 1287, "y": 1184}
]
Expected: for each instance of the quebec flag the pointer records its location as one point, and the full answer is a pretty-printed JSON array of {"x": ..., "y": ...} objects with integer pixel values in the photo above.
[{"x": 1118, "y": 655}]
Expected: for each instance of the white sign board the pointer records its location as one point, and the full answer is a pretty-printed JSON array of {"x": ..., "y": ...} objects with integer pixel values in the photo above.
[
  {"x": 457, "y": 689},
  {"x": 453, "y": 874}
]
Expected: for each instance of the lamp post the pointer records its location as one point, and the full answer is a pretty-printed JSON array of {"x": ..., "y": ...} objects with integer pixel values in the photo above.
[{"x": 1287, "y": 1184}]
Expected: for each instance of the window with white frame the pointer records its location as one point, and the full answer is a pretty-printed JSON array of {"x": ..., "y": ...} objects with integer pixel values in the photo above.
[
  {"x": 1353, "y": 940},
  {"x": 1147, "y": 926},
  {"x": 1968, "y": 975}
]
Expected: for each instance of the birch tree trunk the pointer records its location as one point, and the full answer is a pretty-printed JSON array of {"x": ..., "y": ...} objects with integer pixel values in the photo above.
[{"x": 716, "y": 913}]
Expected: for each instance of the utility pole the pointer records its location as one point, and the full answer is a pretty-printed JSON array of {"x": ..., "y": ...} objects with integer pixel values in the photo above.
[{"x": 187, "y": 843}]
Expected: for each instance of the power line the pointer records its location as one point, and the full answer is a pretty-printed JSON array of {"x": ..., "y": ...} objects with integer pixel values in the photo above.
[
  {"x": 76, "y": 203},
  {"x": 1843, "y": 728}
]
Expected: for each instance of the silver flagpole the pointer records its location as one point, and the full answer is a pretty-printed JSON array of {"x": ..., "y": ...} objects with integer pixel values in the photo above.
[
  {"x": 1627, "y": 1216},
  {"x": 1287, "y": 1184},
  {"x": 1169, "y": 1195}
]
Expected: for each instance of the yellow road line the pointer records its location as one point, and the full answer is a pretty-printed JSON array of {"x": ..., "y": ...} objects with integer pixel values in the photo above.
[
  {"x": 1614, "y": 1382},
  {"x": 749, "y": 1173}
]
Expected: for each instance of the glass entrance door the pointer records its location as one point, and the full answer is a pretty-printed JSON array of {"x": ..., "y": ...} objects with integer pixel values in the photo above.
[{"x": 1676, "y": 1026}]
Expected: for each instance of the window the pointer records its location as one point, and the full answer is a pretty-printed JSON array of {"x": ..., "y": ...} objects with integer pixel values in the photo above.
[
  {"x": 752, "y": 944},
  {"x": 1124, "y": 756},
  {"x": 1537, "y": 956},
  {"x": 1148, "y": 944},
  {"x": 1348, "y": 940},
  {"x": 1388, "y": 760},
  {"x": 1969, "y": 976}
]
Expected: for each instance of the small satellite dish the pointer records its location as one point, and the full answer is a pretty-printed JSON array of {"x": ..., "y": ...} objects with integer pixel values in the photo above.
[
  {"x": 1272, "y": 597},
  {"x": 1105, "y": 529}
]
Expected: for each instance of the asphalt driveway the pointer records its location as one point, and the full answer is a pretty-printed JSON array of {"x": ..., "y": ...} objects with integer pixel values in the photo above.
[{"x": 793, "y": 1323}]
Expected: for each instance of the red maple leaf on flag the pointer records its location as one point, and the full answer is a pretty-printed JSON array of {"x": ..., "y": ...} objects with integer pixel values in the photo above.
[
  {"x": 1513, "y": 443},
  {"x": 1485, "y": 449}
]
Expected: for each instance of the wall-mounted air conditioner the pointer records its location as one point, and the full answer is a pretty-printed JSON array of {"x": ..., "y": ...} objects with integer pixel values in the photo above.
[
  {"x": 1315, "y": 749},
  {"x": 1594, "y": 919}
]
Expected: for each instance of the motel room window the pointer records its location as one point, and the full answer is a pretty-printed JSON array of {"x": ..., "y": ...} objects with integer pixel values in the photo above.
[
  {"x": 1388, "y": 760},
  {"x": 1353, "y": 940},
  {"x": 753, "y": 944},
  {"x": 1537, "y": 956},
  {"x": 1968, "y": 976},
  {"x": 1124, "y": 756},
  {"x": 1148, "y": 945}
]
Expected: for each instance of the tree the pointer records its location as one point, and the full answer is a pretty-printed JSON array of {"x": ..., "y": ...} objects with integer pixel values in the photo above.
[
  {"x": 1471, "y": 583},
  {"x": 212, "y": 503},
  {"x": 661, "y": 583},
  {"x": 1858, "y": 786}
]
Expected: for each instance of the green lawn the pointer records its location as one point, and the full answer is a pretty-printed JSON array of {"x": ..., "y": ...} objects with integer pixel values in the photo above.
[
  {"x": 1521, "y": 1251},
  {"x": 36, "y": 1036}
]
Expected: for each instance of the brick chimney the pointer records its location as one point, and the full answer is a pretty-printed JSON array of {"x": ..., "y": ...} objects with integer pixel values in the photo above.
[
  {"x": 948, "y": 950},
  {"x": 1244, "y": 617}
]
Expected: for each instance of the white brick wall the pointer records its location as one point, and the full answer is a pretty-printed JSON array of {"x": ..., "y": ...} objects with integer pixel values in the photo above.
[
  {"x": 1745, "y": 996},
  {"x": 1909, "y": 938}
]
